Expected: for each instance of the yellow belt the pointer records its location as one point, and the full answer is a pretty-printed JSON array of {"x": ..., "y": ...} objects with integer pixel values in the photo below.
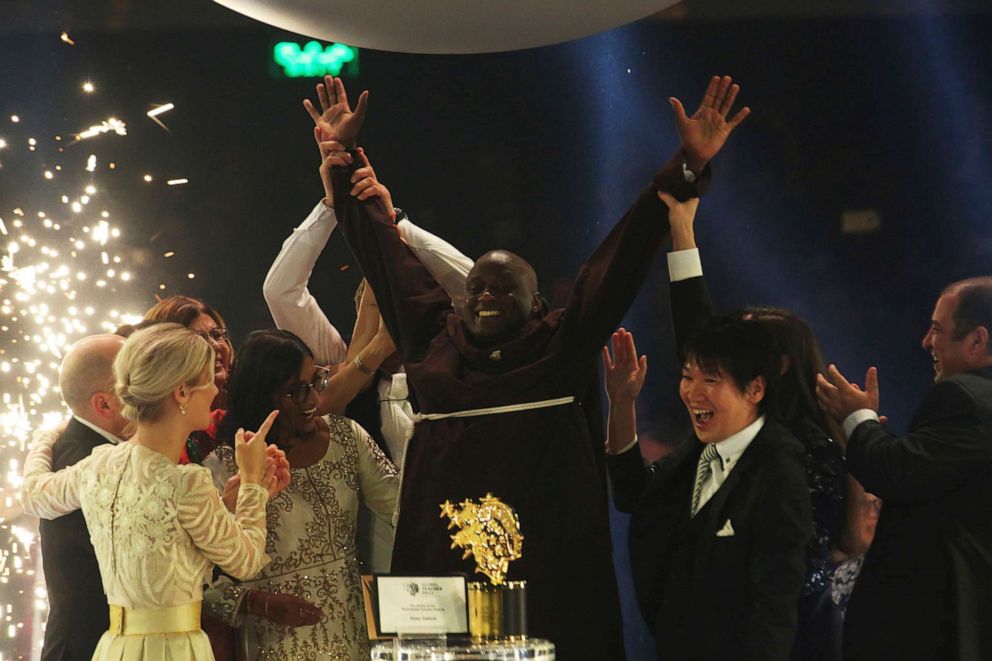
[{"x": 145, "y": 621}]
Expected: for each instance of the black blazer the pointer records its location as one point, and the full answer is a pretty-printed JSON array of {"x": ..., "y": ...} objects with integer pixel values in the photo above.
[
  {"x": 925, "y": 591},
  {"x": 719, "y": 597},
  {"x": 78, "y": 613}
]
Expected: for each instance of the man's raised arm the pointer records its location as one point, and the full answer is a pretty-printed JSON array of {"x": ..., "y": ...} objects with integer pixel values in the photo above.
[
  {"x": 611, "y": 278},
  {"x": 412, "y": 303}
]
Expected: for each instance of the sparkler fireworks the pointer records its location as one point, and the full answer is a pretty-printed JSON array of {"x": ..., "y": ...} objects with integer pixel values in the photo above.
[{"x": 64, "y": 274}]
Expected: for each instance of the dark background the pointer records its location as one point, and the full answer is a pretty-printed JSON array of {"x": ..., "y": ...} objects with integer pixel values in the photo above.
[{"x": 539, "y": 152}]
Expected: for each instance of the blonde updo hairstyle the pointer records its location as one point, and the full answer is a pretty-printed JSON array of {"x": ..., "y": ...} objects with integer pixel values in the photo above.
[{"x": 153, "y": 362}]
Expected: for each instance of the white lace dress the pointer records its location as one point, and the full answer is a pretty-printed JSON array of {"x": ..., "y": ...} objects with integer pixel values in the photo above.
[
  {"x": 311, "y": 539},
  {"x": 158, "y": 529}
]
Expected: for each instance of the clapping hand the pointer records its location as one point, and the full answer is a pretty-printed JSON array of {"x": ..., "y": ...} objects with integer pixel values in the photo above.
[
  {"x": 705, "y": 132},
  {"x": 839, "y": 398}
]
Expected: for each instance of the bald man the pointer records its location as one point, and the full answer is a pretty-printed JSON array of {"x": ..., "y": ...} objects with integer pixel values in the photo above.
[{"x": 78, "y": 613}]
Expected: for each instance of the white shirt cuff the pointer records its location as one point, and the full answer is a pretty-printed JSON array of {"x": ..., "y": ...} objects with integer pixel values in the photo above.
[
  {"x": 852, "y": 421},
  {"x": 624, "y": 448},
  {"x": 684, "y": 264}
]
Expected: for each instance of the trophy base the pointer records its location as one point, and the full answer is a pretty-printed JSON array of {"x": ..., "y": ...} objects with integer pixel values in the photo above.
[{"x": 497, "y": 612}]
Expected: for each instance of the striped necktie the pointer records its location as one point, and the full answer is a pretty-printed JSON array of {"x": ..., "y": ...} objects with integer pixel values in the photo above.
[{"x": 702, "y": 472}]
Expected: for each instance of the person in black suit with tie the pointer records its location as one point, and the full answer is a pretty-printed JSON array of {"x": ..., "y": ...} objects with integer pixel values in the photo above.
[
  {"x": 78, "y": 613},
  {"x": 720, "y": 526},
  {"x": 925, "y": 591}
]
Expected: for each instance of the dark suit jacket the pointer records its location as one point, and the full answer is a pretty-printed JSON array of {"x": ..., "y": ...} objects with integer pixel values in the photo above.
[
  {"x": 78, "y": 613},
  {"x": 819, "y": 632},
  {"x": 728, "y": 597},
  {"x": 925, "y": 591}
]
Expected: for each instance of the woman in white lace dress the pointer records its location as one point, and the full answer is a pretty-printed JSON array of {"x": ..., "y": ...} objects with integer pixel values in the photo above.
[
  {"x": 306, "y": 604},
  {"x": 158, "y": 527}
]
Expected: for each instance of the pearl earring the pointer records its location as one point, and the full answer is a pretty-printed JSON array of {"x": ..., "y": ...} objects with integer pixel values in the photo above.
[{"x": 182, "y": 409}]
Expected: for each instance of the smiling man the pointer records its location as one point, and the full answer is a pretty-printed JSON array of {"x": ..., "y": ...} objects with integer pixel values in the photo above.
[
  {"x": 499, "y": 385},
  {"x": 501, "y": 294},
  {"x": 720, "y": 526},
  {"x": 925, "y": 591}
]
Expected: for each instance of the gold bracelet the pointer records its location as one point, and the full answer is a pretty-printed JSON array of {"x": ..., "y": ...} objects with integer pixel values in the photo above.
[{"x": 361, "y": 366}]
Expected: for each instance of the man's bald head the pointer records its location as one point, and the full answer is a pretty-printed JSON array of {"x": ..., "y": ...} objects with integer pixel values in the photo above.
[
  {"x": 501, "y": 295},
  {"x": 86, "y": 379},
  {"x": 513, "y": 262}
]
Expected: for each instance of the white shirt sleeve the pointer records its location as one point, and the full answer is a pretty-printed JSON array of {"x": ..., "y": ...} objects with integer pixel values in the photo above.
[
  {"x": 292, "y": 305},
  {"x": 43, "y": 493},
  {"x": 852, "y": 421},
  {"x": 684, "y": 264},
  {"x": 445, "y": 262}
]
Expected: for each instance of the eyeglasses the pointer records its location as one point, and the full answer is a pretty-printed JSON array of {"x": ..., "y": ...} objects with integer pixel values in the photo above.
[
  {"x": 216, "y": 335},
  {"x": 319, "y": 383}
]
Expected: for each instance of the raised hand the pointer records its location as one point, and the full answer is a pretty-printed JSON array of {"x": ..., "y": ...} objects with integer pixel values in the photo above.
[
  {"x": 336, "y": 120},
  {"x": 705, "y": 132},
  {"x": 624, "y": 371},
  {"x": 839, "y": 398}
]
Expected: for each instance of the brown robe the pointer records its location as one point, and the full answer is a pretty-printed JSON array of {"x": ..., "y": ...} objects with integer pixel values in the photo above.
[{"x": 540, "y": 462}]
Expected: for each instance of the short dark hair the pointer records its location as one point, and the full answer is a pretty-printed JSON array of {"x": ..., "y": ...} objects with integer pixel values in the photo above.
[
  {"x": 974, "y": 305},
  {"x": 268, "y": 360},
  {"x": 741, "y": 347}
]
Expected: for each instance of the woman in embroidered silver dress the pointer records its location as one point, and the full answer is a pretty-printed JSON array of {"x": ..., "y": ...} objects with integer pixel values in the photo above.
[
  {"x": 307, "y": 604},
  {"x": 158, "y": 527}
]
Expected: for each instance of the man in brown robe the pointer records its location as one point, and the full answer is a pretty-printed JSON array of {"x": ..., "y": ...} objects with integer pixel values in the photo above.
[{"x": 501, "y": 349}]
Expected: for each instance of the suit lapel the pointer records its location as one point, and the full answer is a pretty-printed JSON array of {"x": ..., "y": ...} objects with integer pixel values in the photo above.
[{"x": 713, "y": 512}]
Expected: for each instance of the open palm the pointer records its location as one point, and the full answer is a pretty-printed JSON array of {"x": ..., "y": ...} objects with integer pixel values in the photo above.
[
  {"x": 624, "y": 371},
  {"x": 336, "y": 120},
  {"x": 705, "y": 132}
]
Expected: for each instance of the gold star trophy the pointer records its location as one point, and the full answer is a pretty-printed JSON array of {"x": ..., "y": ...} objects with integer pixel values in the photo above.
[{"x": 489, "y": 531}]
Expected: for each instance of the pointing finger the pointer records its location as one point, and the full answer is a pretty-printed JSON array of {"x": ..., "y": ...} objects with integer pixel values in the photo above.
[{"x": 263, "y": 430}]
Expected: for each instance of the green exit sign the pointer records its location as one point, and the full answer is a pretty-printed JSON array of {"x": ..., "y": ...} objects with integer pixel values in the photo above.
[{"x": 315, "y": 59}]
